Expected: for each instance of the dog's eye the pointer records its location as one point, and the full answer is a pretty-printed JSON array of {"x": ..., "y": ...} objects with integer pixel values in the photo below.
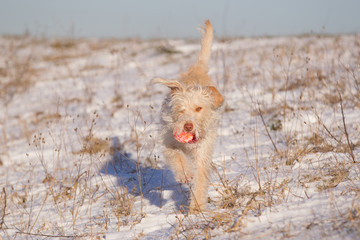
[{"x": 198, "y": 109}]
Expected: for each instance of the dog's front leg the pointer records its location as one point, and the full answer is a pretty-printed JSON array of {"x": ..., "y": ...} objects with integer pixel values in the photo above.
[
  {"x": 201, "y": 181},
  {"x": 179, "y": 165}
]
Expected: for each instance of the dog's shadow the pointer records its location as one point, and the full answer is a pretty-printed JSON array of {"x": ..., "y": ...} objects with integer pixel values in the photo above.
[{"x": 151, "y": 183}]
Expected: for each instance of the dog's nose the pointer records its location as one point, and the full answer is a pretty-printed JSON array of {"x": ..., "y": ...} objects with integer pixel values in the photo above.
[{"x": 188, "y": 126}]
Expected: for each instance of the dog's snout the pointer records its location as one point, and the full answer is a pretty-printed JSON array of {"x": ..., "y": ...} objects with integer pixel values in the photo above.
[{"x": 188, "y": 126}]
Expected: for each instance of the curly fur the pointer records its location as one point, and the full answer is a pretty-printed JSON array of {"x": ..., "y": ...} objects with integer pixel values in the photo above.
[{"x": 193, "y": 100}]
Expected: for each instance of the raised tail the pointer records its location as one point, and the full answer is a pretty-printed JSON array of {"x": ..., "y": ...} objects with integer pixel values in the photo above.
[
  {"x": 206, "y": 41},
  {"x": 197, "y": 74}
]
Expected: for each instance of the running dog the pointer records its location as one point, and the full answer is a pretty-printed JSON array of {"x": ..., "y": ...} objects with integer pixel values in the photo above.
[{"x": 190, "y": 115}]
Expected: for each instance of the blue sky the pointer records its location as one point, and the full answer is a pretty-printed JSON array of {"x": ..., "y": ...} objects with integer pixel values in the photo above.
[{"x": 177, "y": 19}]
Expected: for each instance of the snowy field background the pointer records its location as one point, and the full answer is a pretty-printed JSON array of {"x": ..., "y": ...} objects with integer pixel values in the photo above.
[{"x": 80, "y": 154}]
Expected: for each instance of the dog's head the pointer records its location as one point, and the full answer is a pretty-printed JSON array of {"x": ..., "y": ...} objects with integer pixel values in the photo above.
[{"x": 190, "y": 111}]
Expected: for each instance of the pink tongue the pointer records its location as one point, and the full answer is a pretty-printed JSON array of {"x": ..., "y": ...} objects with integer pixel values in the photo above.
[{"x": 184, "y": 137}]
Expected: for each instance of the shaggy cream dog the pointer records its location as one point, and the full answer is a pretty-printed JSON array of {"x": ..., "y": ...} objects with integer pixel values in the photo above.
[{"x": 190, "y": 115}]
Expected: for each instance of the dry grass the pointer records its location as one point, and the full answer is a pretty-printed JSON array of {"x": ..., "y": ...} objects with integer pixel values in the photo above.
[
  {"x": 17, "y": 72},
  {"x": 298, "y": 138}
]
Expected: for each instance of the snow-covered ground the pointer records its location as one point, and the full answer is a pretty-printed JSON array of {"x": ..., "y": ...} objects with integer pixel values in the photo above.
[{"x": 81, "y": 155}]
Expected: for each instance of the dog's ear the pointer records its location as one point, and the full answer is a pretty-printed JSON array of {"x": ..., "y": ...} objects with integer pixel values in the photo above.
[
  {"x": 172, "y": 84},
  {"x": 216, "y": 95}
]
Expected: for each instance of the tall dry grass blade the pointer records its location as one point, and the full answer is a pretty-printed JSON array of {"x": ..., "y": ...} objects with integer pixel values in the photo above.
[
  {"x": 350, "y": 151},
  {"x": 267, "y": 131}
]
